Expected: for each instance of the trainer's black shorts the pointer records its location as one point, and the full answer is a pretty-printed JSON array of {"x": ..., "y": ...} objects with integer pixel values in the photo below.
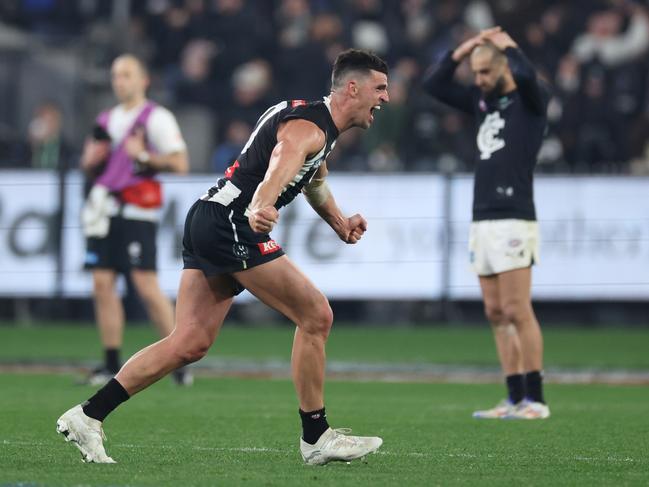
[
  {"x": 219, "y": 240},
  {"x": 130, "y": 244}
]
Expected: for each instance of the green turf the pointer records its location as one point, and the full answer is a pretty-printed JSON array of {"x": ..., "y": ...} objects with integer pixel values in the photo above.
[
  {"x": 564, "y": 346},
  {"x": 244, "y": 432}
]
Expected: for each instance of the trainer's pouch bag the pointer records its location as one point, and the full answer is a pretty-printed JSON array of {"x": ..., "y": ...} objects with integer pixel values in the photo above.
[{"x": 145, "y": 194}]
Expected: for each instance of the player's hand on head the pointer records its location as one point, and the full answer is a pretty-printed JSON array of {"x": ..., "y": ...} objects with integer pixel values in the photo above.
[
  {"x": 501, "y": 39},
  {"x": 262, "y": 220},
  {"x": 486, "y": 33},
  {"x": 356, "y": 226},
  {"x": 466, "y": 47}
]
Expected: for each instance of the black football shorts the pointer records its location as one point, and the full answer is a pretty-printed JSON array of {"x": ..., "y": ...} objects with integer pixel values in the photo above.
[
  {"x": 130, "y": 244},
  {"x": 218, "y": 240}
]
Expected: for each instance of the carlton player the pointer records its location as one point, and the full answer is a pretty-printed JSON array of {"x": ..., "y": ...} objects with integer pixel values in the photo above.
[{"x": 509, "y": 105}]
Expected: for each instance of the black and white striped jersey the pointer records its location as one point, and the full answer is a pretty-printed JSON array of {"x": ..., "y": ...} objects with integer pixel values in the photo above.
[{"x": 242, "y": 178}]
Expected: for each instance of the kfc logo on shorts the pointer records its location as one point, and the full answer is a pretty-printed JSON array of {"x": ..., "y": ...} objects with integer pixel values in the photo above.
[{"x": 268, "y": 247}]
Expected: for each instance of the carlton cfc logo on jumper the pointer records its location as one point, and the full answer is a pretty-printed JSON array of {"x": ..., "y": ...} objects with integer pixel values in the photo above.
[
  {"x": 487, "y": 140},
  {"x": 268, "y": 247}
]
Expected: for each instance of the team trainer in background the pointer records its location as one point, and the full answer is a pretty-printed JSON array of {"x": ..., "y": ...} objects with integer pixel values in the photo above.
[
  {"x": 130, "y": 144},
  {"x": 227, "y": 247},
  {"x": 510, "y": 107}
]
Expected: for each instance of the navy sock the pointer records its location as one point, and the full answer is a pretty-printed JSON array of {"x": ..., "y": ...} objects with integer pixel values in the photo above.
[
  {"x": 314, "y": 423},
  {"x": 534, "y": 386},
  {"x": 111, "y": 360},
  {"x": 515, "y": 387},
  {"x": 105, "y": 400}
]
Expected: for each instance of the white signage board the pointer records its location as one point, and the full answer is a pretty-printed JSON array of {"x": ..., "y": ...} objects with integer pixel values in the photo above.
[
  {"x": 594, "y": 239},
  {"x": 28, "y": 206}
]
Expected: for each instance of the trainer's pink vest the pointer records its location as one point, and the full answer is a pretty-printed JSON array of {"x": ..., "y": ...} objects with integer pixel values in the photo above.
[{"x": 118, "y": 173}]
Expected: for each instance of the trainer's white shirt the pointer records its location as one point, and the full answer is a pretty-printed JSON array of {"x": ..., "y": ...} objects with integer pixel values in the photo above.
[
  {"x": 497, "y": 246},
  {"x": 162, "y": 130}
]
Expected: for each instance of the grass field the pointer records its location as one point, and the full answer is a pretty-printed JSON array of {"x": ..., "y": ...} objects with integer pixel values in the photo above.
[
  {"x": 565, "y": 346},
  {"x": 230, "y": 431}
]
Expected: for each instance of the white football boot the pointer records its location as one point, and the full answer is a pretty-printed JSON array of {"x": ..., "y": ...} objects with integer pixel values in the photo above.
[
  {"x": 501, "y": 410},
  {"x": 333, "y": 445},
  {"x": 527, "y": 409},
  {"x": 85, "y": 433}
]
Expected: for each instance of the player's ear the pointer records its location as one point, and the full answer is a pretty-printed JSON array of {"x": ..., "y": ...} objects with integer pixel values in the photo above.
[{"x": 352, "y": 88}]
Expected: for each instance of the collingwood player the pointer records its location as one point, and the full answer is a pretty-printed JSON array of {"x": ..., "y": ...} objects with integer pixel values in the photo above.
[
  {"x": 227, "y": 247},
  {"x": 510, "y": 107}
]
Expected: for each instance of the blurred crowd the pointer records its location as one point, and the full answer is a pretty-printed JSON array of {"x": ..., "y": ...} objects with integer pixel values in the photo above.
[{"x": 236, "y": 57}]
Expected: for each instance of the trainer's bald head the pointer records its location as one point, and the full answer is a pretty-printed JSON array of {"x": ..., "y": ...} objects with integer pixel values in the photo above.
[
  {"x": 131, "y": 61},
  {"x": 129, "y": 78}
]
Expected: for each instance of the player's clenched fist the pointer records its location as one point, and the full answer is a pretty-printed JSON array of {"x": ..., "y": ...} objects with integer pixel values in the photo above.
[
  {"x": 356, "y": 227},
  {"x": 263, "y": 219}
]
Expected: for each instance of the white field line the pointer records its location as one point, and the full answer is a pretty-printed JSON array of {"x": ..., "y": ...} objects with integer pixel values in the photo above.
[{"x": 257, "y": 449}]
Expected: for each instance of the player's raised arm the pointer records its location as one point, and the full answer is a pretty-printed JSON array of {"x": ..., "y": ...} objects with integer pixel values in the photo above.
[
  {"x": 296, "y": 141},
  {"x": 439, "y": 83},
  {"x": 317, "y": 192},
  {"x": 438, "y": 80},
  {"x": 523, "y": 72}
]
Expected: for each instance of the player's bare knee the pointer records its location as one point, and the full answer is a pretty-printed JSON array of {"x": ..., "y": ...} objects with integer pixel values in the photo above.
[
  {"x": 319, "y": 320},
  {"x": 190, "y": 346},
  {"x": 514, "y": 312},
  {"x": 103, "y": 287},
  {"x": 188, "y": 353},
  {"x": 494, "y": 314}
]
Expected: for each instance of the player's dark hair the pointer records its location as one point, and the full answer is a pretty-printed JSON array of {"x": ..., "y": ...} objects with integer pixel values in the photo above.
[{"x": 356, "y": 60}]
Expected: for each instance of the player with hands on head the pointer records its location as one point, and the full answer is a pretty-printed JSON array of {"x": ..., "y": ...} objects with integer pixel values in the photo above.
[{"x": 509, "y": 104}]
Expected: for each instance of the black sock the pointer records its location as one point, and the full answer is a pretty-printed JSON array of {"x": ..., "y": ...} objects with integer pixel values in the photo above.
[
  {"x": 534, "y": 386},
  {"x": 112, "y": 360},
  {"x": 105, "y": 400},
  {"x": 515, "y": 387},
  {"x": 314, "y": 423}
]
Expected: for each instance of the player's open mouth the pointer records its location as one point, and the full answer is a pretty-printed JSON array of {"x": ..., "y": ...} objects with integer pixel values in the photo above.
[{"x": 375, "y": 107}]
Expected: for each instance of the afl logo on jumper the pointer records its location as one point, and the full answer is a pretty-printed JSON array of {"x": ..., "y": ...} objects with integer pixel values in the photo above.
[
  {"x": 487, "y": 140},
  {"x": 268, "y": 247}
]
